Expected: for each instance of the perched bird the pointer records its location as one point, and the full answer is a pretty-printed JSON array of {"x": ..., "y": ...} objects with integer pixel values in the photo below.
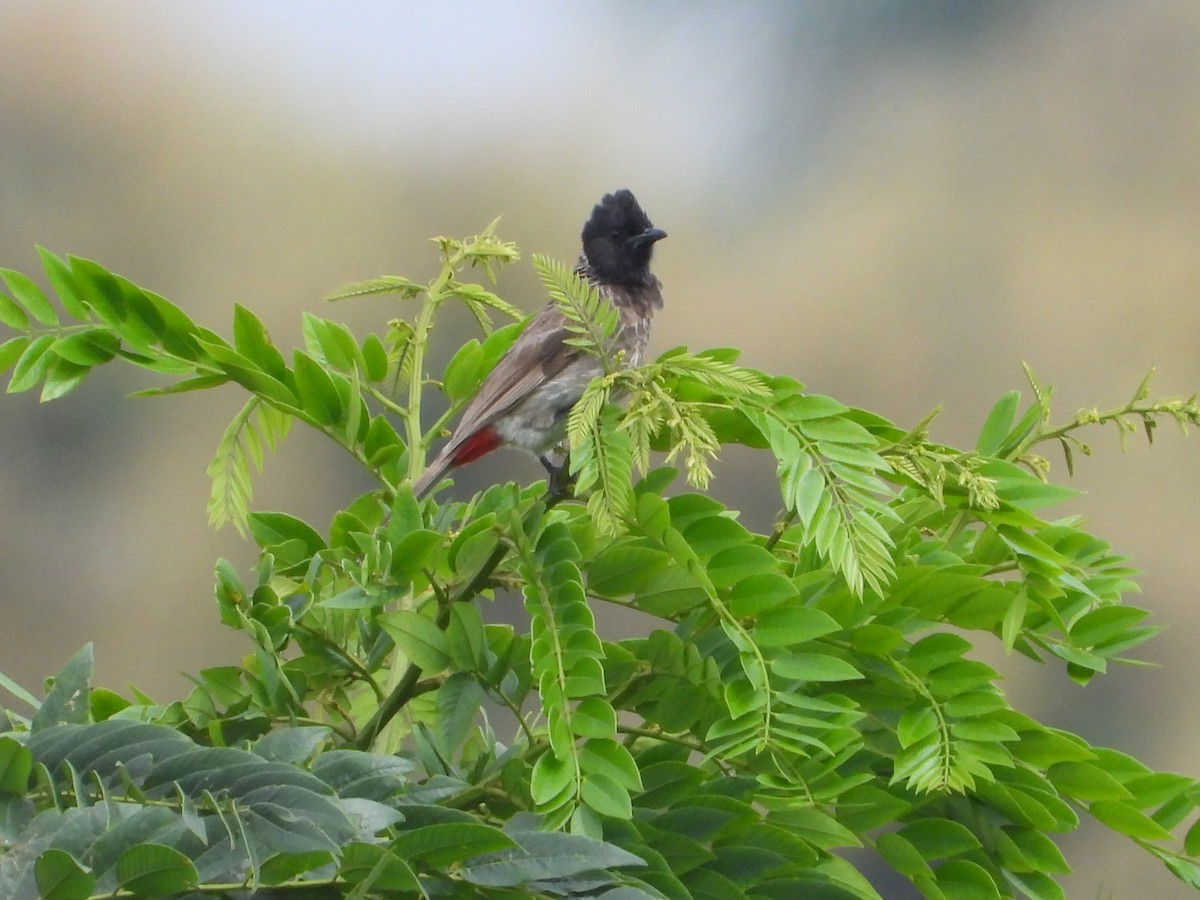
[{"x": 525, "y": 399}]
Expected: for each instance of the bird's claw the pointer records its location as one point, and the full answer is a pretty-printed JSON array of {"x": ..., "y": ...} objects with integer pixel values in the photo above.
[{"x": 560, "y": 481}]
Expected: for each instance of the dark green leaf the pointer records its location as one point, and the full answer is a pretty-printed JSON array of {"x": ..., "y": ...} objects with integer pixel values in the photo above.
[
  {"x": 442, "y": 845},
  {"x": 545, "y": 856},
  {"x": 286, "y": 866},
  {"x": 16, "y": 763},
  {"x": 60, "y": 877},
  {"x": 155, "y": 870},
  {"x": 67, "y": 700},
  {"x": 295, "y": 745}
]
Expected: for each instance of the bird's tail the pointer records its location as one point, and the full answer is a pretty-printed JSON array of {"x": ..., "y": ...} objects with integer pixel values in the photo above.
[
  {"x": 433, "y": 473},
  {"x": 457, "y": 452}
]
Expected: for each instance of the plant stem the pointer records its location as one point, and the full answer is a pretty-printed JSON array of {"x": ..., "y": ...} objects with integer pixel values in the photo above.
[{"x": 406, "y": 689}]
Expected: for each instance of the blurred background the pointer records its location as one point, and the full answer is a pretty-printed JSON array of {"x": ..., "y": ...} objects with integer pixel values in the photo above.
[{"x": 897, "y": 202}]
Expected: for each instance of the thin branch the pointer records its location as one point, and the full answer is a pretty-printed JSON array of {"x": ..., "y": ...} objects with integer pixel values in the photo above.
[{"x": 407, "y": 688}]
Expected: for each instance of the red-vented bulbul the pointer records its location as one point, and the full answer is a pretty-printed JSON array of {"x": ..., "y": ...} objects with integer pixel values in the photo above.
[{"x": 525, "y": 399}]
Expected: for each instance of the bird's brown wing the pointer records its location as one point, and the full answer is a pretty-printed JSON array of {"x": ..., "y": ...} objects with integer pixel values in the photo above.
[{"x": 538, "y": 355}]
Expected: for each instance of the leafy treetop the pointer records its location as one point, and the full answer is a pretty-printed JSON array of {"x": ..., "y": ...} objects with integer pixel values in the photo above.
[{"x": 802, "y": 691}]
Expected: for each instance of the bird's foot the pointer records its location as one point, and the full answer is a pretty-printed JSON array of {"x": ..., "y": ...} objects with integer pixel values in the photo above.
[{"x": 560, "y": 481}]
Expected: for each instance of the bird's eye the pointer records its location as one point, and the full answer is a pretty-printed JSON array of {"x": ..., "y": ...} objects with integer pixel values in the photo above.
[{"x": 615, "y": 234}]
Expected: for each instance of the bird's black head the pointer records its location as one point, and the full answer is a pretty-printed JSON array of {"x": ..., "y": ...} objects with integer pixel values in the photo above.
[{"x": 618, "y": 240}]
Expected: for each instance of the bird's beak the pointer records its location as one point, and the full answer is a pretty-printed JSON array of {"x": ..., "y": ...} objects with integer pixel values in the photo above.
[{"x": 649, "y": 236}]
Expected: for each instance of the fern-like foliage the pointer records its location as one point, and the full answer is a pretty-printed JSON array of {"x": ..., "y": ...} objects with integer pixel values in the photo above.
[
  {"x": 591, "y": 319},
  {"x": 584, "y": 774},
  {"x": 256, "y": 426},
  {"x": 126, "y": 807}
]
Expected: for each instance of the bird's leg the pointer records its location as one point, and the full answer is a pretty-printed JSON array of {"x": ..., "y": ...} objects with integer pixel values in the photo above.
[{"x": 559, "y": 483}]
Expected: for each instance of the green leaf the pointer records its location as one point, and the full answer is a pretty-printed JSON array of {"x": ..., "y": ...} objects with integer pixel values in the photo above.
[
  {"x": 936, "y": 650},
  {"x": 28, "y": 295},
  {"x": 413, "y": 552},
  {"x": 814, "y": 667},
  {"x": 318, "y": 395},
  {"x": 939, "y": 838},
  {"x": 545, "y": 856},
  {"x": 375, "y": 357},
  {"x": 11, "y": 350},
  {"x": 35, "y": 359},
  {"x": 464, "y": 373},
  {"x": 443, "y": 845},
  {"x": 963, "y": 879},
  {"x": 16, "y": 763},
  {"x": 385, "y": 284},
  {"x": 62, "y": 377},
  {"x": 1105, "y": 624},
  {"x": 607, "y": 757},
  {"x": 155, "y": 870},
  {"x": 1039, "y": 851},
  {"x": 12, "y": 315},
  {"x": 246, "y": 373},
  {"x": 250, "y": 339},
  {"x": 272, "y": 528},
  {"x": 594, "y": 718},
  {"x": 88, "y": 348},
  {"x": 418, "y": 638},
  {"x": 1191, "y": 841},
  {"x": 759, "y": 593},
  {"x": 1086, "y": 782},
  {"x": 624, "y": 569},
  {"x": 99, "y": 290},
  {"x": 286, "y": 866},
  {"x": 915, "y": 724},
  {"x": 792, "y": 626},
  {"x": 902, "y": 856},
  {"x": 998, "y": 424},
  {"x": 552, "y": 779},
  {"x": 63, "y": 282},
  {"x": 295, "y": 745},
  {"x": 355, "y": 597},
  {"x": 200, "y": 383},
  {"x": 606, "y": 796},
  {"x": 67, "y": 699},
  {"x": 375, "y": 868},
  {"x": 60, "y": 877},
  {"x": 1123, "y": 818}
]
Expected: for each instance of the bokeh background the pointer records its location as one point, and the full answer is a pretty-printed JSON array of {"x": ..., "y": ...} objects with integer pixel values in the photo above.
[{"x": 896, "y": 201}]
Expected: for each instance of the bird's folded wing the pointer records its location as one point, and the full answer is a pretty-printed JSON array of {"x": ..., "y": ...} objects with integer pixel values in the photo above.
[{"x": 538, "y": 355}]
